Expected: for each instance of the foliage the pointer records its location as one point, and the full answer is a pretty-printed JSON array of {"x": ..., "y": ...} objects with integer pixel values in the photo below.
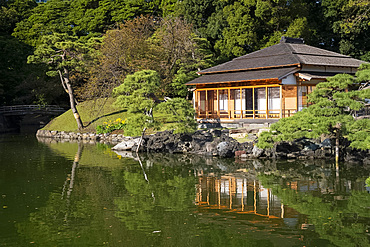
[
  {"x": 349, "y": 20},
  {"x": 108, "y": 127},
  {"x": 330, "y": 222},
  {"x": 47, "y": 18},
  {"x": 183, "y": 115},
  {"x": 367, "y": 181},
  {"x": 63, "y": 52},
  {"x": 137, "y": 91},
  {"x": 252, "y": 25},
  {"x": 166, "y": 45},
  {"x": 334, "y": 102},
  {"x": 138, "y": 95},
  {"x": 178, "y": 39}
]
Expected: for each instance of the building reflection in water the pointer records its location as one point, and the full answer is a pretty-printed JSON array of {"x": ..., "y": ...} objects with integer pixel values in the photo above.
[{"x": 240, "y": 195}]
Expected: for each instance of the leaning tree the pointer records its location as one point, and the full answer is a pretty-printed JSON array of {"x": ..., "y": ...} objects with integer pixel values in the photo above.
[{"x": 65, "y": 55}]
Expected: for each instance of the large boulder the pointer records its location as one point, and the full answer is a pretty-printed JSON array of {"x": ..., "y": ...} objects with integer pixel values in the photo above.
[
  {"x": 257, "y": 152},
  {"x": 126, "y": 145},
  {"x": 225, "y": 150}
]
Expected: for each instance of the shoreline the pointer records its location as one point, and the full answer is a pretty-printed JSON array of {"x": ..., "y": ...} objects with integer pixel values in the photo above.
[{"x": 216, "y": 143}]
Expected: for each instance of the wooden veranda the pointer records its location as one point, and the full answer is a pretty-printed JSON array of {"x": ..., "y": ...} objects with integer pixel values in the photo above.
[{"x": 268, "y": 101}]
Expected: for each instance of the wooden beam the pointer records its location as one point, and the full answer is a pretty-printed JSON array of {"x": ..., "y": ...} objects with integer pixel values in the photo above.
[{"x": 256, "y": 86}]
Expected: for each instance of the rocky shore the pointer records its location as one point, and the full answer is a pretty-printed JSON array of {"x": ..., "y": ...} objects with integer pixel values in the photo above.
[
  {"x": 219, "y": 143},
  {"x": 65, "y": 136}
]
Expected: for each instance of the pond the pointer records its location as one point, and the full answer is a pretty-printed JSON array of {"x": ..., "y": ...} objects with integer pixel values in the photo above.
[{"x": 84, "y": 194}]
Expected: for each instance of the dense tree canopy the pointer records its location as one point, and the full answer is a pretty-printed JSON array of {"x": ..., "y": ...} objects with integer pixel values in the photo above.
[{"x": 175, "y": 38}]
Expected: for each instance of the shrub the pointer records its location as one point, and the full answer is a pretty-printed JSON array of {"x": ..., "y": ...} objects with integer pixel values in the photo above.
[{"x": 108, "y": 127}]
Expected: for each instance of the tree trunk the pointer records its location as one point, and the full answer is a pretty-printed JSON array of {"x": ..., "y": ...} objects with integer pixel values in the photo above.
[
  {"x": 72, "y": 101},
  {"x": 141, "y": 140},
  {"x": 73, "y": 106}
]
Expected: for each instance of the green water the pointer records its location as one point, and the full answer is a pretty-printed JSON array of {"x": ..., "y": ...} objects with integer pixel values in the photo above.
[{"x": 75, "y": 194}]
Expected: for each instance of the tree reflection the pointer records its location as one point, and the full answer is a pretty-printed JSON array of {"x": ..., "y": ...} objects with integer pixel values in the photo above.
[
  {"x": 337, "y": 214},
  {"x": 155, "y": 201}
]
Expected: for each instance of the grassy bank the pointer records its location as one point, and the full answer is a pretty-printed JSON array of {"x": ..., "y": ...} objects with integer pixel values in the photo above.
[
  {"x": 96, "y": 112},
  {"x": 93, "y": 113}
]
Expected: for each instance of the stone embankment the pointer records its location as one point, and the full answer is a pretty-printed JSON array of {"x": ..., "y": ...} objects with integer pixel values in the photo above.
[
  {"x": 63, "y": 135},
  {"x": 219, "y": 143}
]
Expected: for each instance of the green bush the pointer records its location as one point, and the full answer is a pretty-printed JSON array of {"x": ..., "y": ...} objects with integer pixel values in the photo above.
[{"x": 108, "y": 127}]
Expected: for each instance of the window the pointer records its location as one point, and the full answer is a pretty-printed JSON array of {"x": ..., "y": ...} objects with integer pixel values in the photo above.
[{"x": 223, "y": 100}]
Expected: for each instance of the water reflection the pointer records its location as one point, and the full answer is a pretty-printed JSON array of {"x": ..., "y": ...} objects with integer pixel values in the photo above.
[{"x": 177, "y": 200}]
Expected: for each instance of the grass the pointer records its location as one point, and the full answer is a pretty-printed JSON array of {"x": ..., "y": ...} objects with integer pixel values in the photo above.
[
  {"x": 244, "y": 139},
  {"x": 96, "y": 112},
  {"x": 92, "y": 113}
]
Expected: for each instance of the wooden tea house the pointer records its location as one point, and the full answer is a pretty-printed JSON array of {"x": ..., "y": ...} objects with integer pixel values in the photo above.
[{"x": 265, "y": 85}]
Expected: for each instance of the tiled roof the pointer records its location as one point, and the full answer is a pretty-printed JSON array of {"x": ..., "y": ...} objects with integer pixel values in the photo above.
[
  {"x": 285, "y": 54},
  {"x": 242, "y": 76}
]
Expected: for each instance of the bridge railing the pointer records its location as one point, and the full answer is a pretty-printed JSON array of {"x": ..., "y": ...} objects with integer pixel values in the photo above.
[{"x": 31, "y": 108}]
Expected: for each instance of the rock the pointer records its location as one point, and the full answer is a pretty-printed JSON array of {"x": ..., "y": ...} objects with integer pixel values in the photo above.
[
  {"x": 216, "y": 132},
  {"x": 211, "y": 147},
  {"x": 286, "y": 147},
  {"x": 225, "y": 150},
  {"x": 126, "y": 145},
  {"x": 244, "y": 156},
  {"x": 326, "y": 143},
  {"x": 240, "y": 153},
  {"x": 257, "y": 152}
]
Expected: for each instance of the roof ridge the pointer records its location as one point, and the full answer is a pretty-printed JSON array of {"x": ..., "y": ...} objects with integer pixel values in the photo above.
[
  {"x": 292, "y": 52},
  {"x": 322, "y": 55},
  {"x": 246, "y": 57},
  {"x": 249, "y": 69}
]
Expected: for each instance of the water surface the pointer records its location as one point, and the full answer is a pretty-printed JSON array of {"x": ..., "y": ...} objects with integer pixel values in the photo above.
[{"x": 81, "y": 194}]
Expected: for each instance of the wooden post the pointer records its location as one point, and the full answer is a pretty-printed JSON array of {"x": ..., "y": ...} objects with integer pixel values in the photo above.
[
  {"x": 228, "y": 102},
  {"x": 281, "y": 101},
  {"x": 218, "y": 103},
  {"x": 241, "y": 103},
  {"x": 267, "y": 101},
  {"x": 206, "y": 104},
  {"x": 196, "y": 103},
  {"x": 253, "y": 103}
]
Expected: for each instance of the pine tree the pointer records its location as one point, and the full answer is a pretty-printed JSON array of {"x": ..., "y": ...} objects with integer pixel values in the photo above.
[{"x": 335, "y": 104}]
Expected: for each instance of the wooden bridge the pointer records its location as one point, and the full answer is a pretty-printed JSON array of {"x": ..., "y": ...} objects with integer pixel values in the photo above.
[{"x": 20, "y": 110}]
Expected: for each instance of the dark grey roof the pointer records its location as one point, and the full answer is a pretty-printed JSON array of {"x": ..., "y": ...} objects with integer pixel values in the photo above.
[
  {"x": 242, "y": 76},
  {"x": 285, "y": 54}
]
